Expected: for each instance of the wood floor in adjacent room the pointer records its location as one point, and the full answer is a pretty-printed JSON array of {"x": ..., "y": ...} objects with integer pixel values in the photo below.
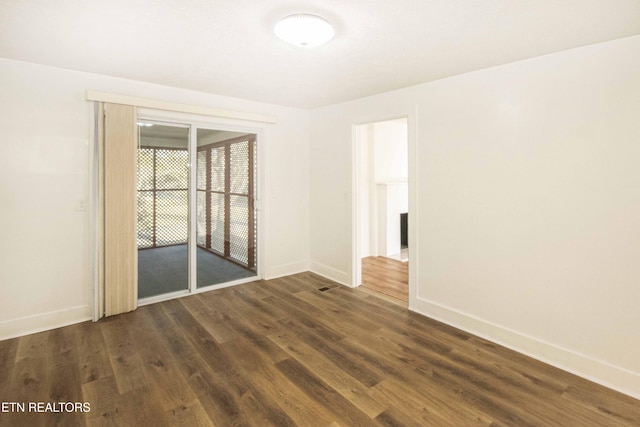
[
  {"x": 386, "y": 276},
  {"x": 283, "y": 353}
]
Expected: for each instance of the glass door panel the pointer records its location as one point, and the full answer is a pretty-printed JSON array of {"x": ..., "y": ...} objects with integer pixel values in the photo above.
[
  {"x": 163, "y": 209},
  {"x": 226, "y": 231}
]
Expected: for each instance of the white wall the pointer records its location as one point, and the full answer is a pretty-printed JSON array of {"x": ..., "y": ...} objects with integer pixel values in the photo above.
[
  {"x": 525, "y": 199},
  {"x": 391, "y": 157},
  {"x": 44, "y": 175}
]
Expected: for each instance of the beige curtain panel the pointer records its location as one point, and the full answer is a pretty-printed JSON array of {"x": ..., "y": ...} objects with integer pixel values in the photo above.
[{"x": 118, "y": 270}]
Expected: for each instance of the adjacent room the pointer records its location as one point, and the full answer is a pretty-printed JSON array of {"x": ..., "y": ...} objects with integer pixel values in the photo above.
[
  {"x": 382, "y": 204},
  {"x": 320, "y": 213}
]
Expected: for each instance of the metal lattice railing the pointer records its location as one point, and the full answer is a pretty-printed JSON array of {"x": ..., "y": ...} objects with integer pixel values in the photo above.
[
  {"x": 163, "y": 196},
  {"x": 226, "y": 220},
  {"x": 239, "y": 201},
  {"x": 239, "y": 228},
  {"x": 225, "y": 192}
]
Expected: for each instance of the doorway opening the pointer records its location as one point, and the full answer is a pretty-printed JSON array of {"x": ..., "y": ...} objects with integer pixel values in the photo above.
[
  {"x": 197, "y": 227},
  {"x": 382, "y": 207}
]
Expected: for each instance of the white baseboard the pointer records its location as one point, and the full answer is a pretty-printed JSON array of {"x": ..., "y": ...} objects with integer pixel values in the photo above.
[
  {"x": 600, "y": 372},
  {"x": 43, "y": 322},
  {"x": 286, "y": 269},
  {"x": 331, "y": 273}
]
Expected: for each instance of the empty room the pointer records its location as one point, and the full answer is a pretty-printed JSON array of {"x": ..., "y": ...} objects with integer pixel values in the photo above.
[{"x": 194, "y": 192}]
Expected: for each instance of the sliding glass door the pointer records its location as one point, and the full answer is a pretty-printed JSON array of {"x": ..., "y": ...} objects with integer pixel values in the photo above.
[
  {"x": 226, "y": 231},
  {"x": 225, "y": 221}
]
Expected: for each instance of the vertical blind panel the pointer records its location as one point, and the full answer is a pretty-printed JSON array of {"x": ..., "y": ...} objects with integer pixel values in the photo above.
[
  {"x": 100, "y": 122},
  {"x": 120, "y": 251}
]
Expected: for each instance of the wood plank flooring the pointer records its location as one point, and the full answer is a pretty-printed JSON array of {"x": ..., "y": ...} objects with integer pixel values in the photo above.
[
  {"x": 387, "y": 276},
  {"x": 283, "y": 353}
]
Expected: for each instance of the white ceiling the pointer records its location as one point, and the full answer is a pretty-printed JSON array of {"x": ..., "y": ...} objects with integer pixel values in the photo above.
[{"x": 227, "y": 47}]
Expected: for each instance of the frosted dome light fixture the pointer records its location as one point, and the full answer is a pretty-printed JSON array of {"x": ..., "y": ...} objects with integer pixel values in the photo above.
[{"x": 304, "y": 30}]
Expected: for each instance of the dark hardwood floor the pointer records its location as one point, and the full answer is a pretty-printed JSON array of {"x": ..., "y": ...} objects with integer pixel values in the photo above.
[
  {"x": 283, "y": 353},
  {"x": 386, "y": 276}
]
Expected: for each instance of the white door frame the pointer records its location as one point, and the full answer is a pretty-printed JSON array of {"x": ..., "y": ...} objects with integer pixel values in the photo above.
[{"x": 356, "y": 169}]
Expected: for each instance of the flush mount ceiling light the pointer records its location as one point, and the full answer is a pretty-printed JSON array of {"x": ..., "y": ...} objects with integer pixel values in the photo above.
[{"x": 304, "y": 30}]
